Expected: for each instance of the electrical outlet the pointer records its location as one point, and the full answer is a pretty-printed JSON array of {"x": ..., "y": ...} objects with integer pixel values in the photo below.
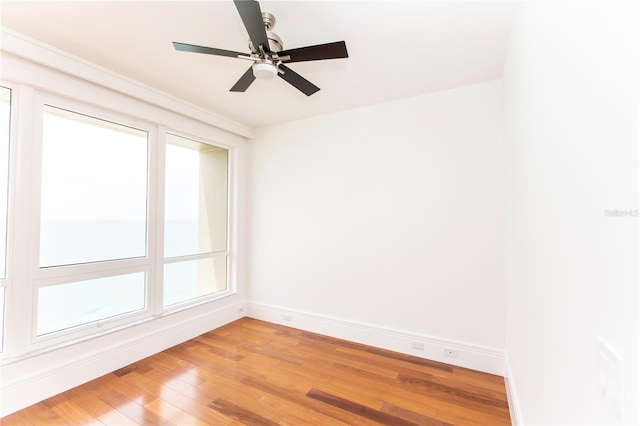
[
  {"x": 417, "y": 345},
  {"x": 451, "y": 353},
  {"x": 286, "y": 317}
]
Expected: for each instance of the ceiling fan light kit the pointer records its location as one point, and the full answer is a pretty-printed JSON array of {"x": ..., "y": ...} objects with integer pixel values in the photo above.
[
  {"x": 268, "y": 56},
  {"x": 264, "y": 70}
]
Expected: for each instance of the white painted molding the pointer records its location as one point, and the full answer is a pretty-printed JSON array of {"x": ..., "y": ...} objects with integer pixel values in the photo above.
[
  {"x": 488, "y": 360},
  {"x": 36, "y": 51},
  {"x": 40, "y": 377},
  {"x": 512, "y": 394}
]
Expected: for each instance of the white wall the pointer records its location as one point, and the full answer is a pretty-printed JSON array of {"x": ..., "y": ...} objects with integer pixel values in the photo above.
[
  {"x": 571, "y": 89},
  {"x": 389, "y": 216}
]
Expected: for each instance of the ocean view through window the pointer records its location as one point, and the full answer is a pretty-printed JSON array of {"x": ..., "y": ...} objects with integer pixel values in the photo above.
[
  {"x": 196, "y": 210},
  {"x": 87, "y": 301},
  {"x": 94, "y": 190}
]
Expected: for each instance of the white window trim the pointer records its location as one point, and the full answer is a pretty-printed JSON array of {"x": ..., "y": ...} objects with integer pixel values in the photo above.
[{"x": 5, "y": 283}]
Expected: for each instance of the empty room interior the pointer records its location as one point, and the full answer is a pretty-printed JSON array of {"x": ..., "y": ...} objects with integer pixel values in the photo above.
[{"x": 320, "y": 212}]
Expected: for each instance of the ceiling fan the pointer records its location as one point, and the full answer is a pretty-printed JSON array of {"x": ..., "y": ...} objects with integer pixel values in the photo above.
[{"x": 266, "y": 51}]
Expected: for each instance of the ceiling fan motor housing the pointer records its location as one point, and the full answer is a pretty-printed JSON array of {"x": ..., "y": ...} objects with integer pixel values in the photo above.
[{"x": 275, "y": 42}]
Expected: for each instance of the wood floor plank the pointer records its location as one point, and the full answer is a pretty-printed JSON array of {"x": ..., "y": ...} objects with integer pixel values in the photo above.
[
  {"x": 194, "y": 404},
  {"x": 40, "y": 414},
  {"x": 190, "y": 399},
  {"x": 454, "y": 395},
  {"x": 166, "y": 361},
  {"x": 360, "y": 389},
  {"x": 476, "y": 392},
  {"x": 239, "y": 413},
  {"x": 358, "y": 409},
  {"x": 489, "y": 381},
  {"x": 230, "y": 354},
  {"x": 292, "y": 387},
  {"x": 255, "y": 372},
  {"x": 16, "y": 419},
  {"x": 428, "y": 404},
  {"x": 238, "y": 395},
  {"x": 86, "y": 397},
  {"x": 332, "y": 357},
  {"x": 363, "y": 396},
  {"x": 261, "y": 326},
  {"x": 299, "y": 397},
  {"x": 296, "y": 414},
  {"x": 132, "y": 409},
  {"x": 411, "y": 416},
  {"x": 70, "y": 411},
  {"x": 172, "y": 413},
  {"x": 472, "y": 418}
]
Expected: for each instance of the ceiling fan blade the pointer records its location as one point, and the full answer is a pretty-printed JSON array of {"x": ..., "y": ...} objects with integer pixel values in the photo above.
[
  {"x": 334, "y": 50},
  {"x": 244, "y": 82},
  {"x": 297, "y": 81},
  {"x": 203, "y": 49},
  {"x": 251, "y": 16}
]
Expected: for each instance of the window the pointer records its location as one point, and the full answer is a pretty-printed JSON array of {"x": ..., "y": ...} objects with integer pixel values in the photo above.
[
  {"x": 93, "y": 209},
  {"x": 94, "y": 190},
  {"x": 196, "y": 210},
  {"x": 88, "y": 301},
  {"x": 5, "y": 121}
]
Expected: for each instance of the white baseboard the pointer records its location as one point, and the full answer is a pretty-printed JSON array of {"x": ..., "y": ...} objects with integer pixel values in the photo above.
[
  {"x": 488, "y": 360},
  {"x": 31, "y": 380},
  {"x": 512, "y": 394}
]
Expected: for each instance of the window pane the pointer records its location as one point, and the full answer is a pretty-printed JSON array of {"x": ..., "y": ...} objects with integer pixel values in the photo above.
[
  {"x": 94, "y": 190},
  {"x": 5, "y": 119},
  {"x": 188, "y": 280},
  {"x": 195, "y": 198},
  {"x": 72, "y": 304}
]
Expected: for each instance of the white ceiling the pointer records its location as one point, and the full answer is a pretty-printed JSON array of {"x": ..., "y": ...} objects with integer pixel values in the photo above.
[{"x": 396, "y": 49}]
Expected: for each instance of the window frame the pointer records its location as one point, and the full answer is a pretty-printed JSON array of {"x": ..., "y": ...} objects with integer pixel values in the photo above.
[
  {"x": 91, "y": 327},
  {"x": 56, "y": 275},
  {"x": 6, "y": 282},
  {"x": 102, "y": 114},
  {"x": 162, "y": 260},
  {"x": 115, "y": 122}
]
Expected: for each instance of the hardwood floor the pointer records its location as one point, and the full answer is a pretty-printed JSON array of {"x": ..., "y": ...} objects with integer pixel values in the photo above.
[{"x": 258, "y": 373}]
